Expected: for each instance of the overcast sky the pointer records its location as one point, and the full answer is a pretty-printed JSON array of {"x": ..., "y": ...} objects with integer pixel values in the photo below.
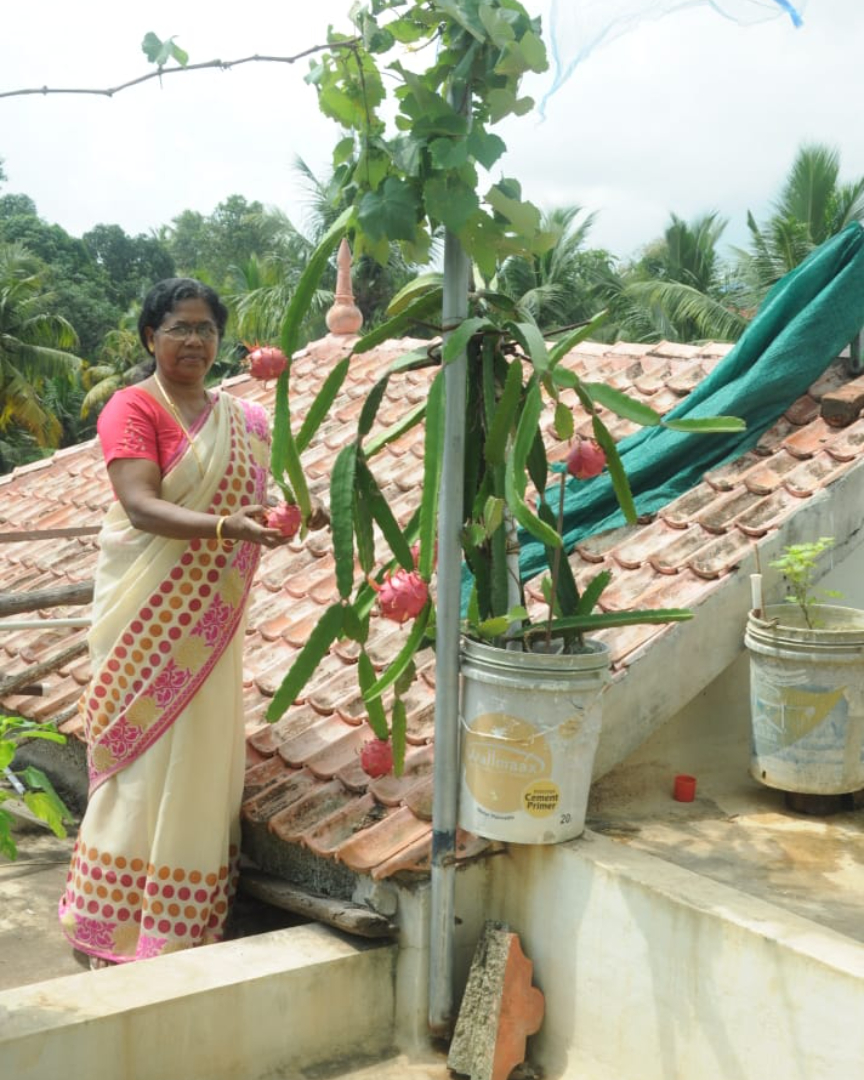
[{"x": 688, "y": 113}]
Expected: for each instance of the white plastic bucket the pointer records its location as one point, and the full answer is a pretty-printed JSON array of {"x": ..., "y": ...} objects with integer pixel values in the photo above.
[
  {"x": 807, "y": 700},
  {"x": 530, "y": 724}
]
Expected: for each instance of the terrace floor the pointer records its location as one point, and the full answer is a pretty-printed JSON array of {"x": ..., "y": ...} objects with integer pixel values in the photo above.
[{"x": 736, "y": 830}]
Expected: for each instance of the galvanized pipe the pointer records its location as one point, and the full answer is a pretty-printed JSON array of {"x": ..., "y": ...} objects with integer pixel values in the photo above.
[{"x": 446, "y": 778}]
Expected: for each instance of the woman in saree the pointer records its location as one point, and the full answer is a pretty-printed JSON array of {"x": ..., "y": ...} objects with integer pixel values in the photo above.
[{"x": 155, "y": 863}]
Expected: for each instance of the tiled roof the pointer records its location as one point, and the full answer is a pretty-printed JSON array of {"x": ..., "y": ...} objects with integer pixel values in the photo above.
[{"x": 304, "y": 782}]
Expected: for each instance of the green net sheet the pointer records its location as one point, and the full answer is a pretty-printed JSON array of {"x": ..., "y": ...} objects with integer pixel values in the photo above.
[{"x": 805, "y": 321}]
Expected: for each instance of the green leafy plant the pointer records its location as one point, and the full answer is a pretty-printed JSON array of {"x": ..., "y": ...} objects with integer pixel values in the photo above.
[
  {"x": 30, "y": 785},
  {"x": 798, "y": 565},
  {"x": 405, "y": 185}
]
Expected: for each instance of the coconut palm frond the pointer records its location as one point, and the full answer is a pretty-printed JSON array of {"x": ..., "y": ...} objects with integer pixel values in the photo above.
[{"x": 678, "y": 306}]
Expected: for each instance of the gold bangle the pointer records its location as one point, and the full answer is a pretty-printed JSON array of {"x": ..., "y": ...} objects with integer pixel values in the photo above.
[{"x": 220, "y": 521}]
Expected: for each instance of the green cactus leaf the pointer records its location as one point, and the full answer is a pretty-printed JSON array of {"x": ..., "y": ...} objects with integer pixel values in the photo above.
[
  {"x": 566, "y": 592},
  {"x": 396, "y": 431},
  {"x": 370, "y": 407},
  {"x": 381, "y": 512},
  {"x": 622, "y": 404},
  {"x": 364, "y": 531},
  {"x": 530, "y": 337},
  {"x": 708, "y": 425},
  {"x": 309, "y": 282},
  {"x": 457, "y": 340},
  {"x": 592, "y": 592},
  {"x": 327, "y": 629},
  {"x": 610, "y": 620},
  {"x": 620, "y": 483},
  {"x": 564, "y": 424},
  {"x": 404, "y": 657},
  {"x": 432, "y": 462},
  {"x": 421, "y": 310},
  {"x": 342, "y": 517},
  {"x": 354, "y": 626},
  {"x": 398, "y": 735},
  {"x": 374, "y": 706},
  {"x": 425, "y": 285},
  {"x": 504, "y": 415},
  {"x": 572, "y": 339},
  {"x": 320, "y": 407}
]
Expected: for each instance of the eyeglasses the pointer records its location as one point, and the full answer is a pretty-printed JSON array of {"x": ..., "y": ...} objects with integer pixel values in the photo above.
[{"x": 182, "y": 331}]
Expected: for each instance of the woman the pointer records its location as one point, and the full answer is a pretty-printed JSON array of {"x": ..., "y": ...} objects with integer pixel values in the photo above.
[{"x": 154, "y": 865}]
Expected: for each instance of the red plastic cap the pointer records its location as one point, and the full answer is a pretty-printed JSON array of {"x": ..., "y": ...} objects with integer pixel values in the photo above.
[{"x": 685, "y": 788}]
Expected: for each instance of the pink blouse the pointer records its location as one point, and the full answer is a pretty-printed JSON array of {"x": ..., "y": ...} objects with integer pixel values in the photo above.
[{"x": 134, "y": 425}]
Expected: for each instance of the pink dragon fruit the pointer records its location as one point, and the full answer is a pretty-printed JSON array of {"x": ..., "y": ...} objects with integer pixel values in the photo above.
[
  {"x": 586, "y": 459},
  {"x": 402, "y": 595},
  {"x": 376, "y": 757},
  {"x": 285, "y": 517},
  {"x": 266, "y": 362}
]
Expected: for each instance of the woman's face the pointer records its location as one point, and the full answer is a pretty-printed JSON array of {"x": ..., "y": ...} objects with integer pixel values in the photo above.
[{"x": 186, "y": 342}]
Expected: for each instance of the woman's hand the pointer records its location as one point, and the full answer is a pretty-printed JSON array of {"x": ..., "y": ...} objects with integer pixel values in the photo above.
[{"x": 248, "y": 524}]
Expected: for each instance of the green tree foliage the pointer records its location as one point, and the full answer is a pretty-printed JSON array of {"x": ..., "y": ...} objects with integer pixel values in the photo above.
[
  {"x": 813, "y": 206},
  {"x": 680, "y": 290},
  {"x": 35, "y": 346},
  {"x": 209, "y": 246},
  {"x": 79, "y": 289},
  {"x": 260, "y": 289},
  {"x": 558, "y": 286},
  {"x": 131, "y": 264}
]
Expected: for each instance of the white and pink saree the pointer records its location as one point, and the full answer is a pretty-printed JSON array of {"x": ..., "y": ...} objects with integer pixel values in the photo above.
[{"x": 154, "y": 865}]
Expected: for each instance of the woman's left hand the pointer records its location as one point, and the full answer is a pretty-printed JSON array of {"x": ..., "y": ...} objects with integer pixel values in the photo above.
[{"x": 248, "y": 524}]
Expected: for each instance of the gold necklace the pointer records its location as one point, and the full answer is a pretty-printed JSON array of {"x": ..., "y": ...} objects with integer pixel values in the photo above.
[{"x": 175, "y": 412}]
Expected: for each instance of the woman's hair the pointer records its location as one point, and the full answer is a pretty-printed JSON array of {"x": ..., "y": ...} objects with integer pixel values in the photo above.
[{"x": 164, "y": 297}]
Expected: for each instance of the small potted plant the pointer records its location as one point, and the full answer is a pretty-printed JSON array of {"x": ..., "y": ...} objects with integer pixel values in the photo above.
[
  {"x": 807, "y": 683},
  {"x": 407, "y": 189}
]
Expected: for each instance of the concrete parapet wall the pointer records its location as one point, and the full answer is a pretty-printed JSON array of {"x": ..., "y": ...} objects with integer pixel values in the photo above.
[
  {"x": 652, "y": 971},
  {"x": 262, "y": 1006}
]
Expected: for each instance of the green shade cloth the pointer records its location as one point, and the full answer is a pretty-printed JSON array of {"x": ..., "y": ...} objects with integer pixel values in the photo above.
[{"x": 805, "y": 321}]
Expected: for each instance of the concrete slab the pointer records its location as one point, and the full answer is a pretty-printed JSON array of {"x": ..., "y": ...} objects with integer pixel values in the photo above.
[
  {"x": 736, "y": 831},
  {"x": 32, "y": 947}
]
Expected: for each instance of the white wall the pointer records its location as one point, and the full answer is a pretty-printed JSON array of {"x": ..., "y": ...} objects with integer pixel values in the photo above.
[{"x": 651, "y": 972}]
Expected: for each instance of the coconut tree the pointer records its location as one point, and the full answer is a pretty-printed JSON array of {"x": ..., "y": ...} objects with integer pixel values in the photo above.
[
  {"x": 679, "y": 290},
  {"x": 558, "y": 286},
  {"x": 261, "y": 287},
  {"x": 33, "y": 346},
  {"x": 812, "y": 207},
  {"x": 118, "y": 363}
]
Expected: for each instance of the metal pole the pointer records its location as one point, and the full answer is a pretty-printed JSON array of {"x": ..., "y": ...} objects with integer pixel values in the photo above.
[{"x": 446, "y": 779}]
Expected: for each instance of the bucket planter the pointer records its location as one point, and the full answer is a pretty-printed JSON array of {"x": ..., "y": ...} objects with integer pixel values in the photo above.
[
  {"x": 530, "y": 724},
  {"x": 807, "y": 699}
]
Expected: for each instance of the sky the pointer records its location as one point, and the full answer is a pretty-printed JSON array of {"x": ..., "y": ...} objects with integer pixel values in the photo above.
[{"x": 689, "y": 113}]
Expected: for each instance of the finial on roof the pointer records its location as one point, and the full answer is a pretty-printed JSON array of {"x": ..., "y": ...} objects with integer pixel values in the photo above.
[{"x": 344, "y": 317}]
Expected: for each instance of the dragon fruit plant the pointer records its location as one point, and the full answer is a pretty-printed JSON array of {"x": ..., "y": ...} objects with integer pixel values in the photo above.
[{"x": 403, "y": 189}]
